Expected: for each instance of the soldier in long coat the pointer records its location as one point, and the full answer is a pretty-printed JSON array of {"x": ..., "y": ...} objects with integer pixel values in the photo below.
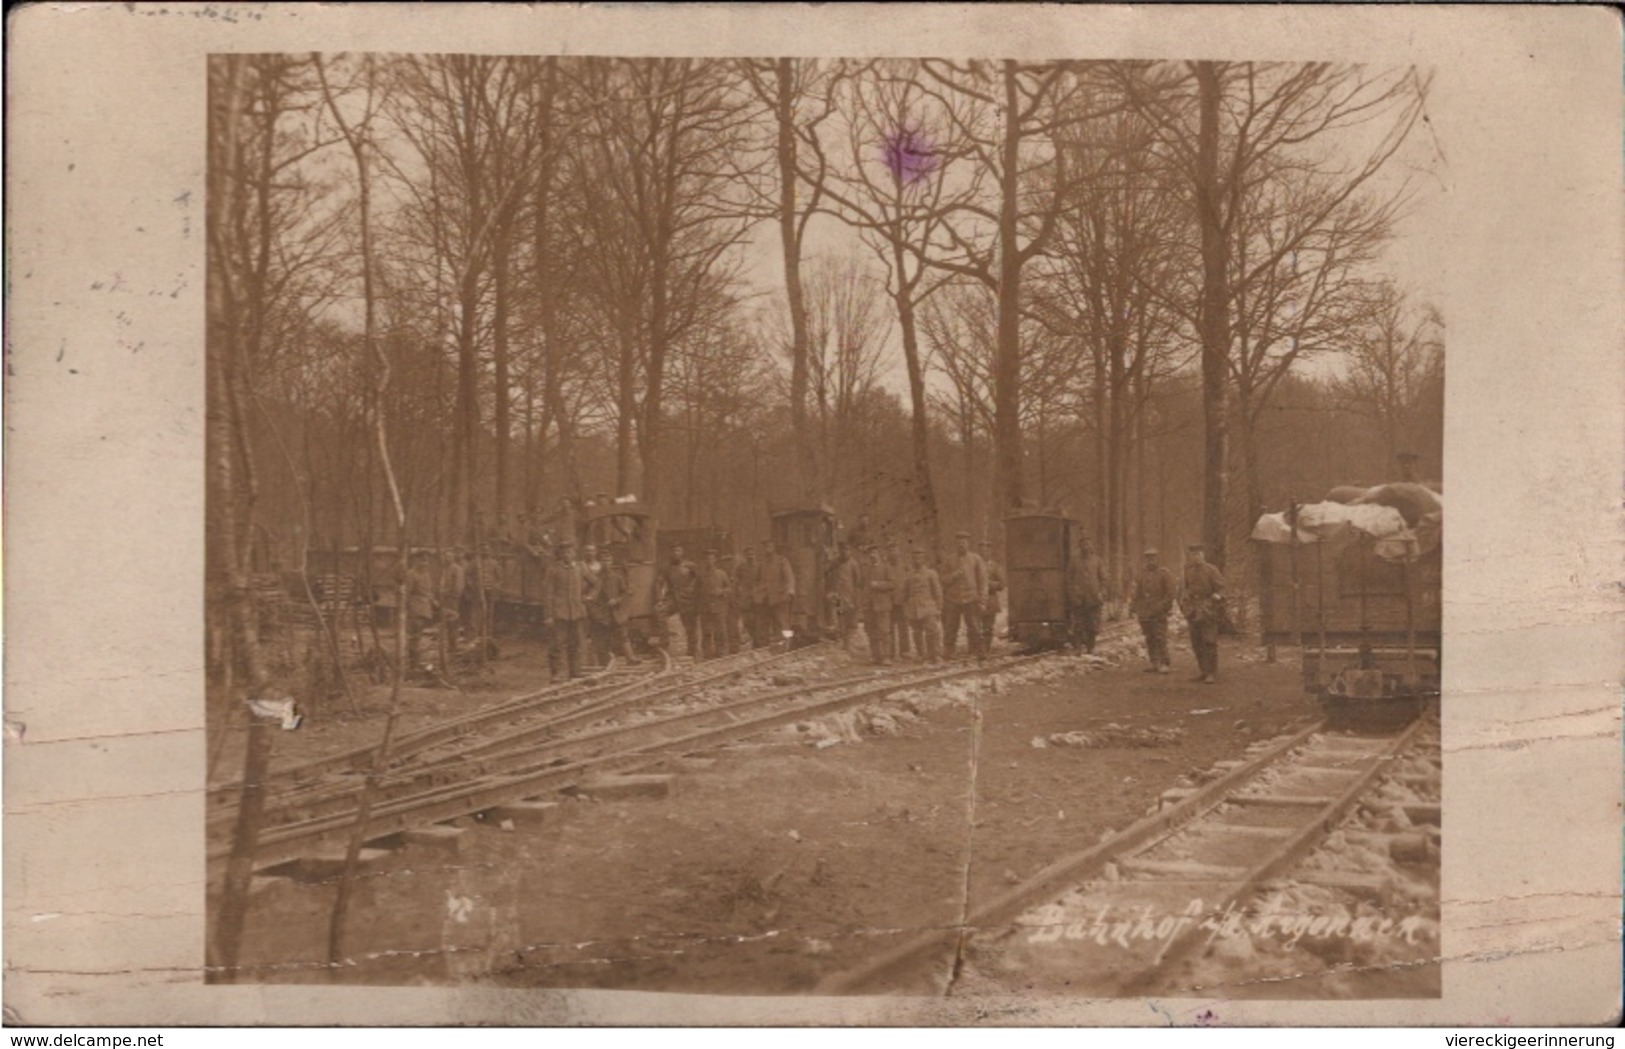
[
  {"x": 1202, "y": 601},
  {"x": 608, "y": 610},
  {"x": 564, "y": 611},
  {"x": 875, "y": 586},
  {"x": 922, "y": 603},
  {"x": 715, "y": 598},
  {"x": 995, "y": 594},
  {"x": 747, "y": 578},
  {"x": 1086, "y": 594},
  {"x": 1154, "y": 594},
  {"x": 847, "y": 609},
  {"x": 680, "y": 594},
  {"x": 897, "y": 567},
  {"x": 778, "y": 590},
  {"x": 421, "y": 606},
  {"x": 964, "y": 591},
  {"x": 592, "y": 581}
]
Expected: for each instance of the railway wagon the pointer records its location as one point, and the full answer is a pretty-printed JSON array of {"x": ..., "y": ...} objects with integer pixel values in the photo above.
[
  {"x": 1367, "y": 622},
  {"x": 350, "y": 576},
  {"x": 1038, "y": 561},
  {"x": 806, "y": 536},
  {"x": 625, "y": 531}
]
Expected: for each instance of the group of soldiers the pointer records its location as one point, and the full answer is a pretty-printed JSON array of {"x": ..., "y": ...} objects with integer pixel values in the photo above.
[
  {"x": 584, "y": 603},
  {"x": 1199, "y": 597},
  {"x": 904, "y": 604}
]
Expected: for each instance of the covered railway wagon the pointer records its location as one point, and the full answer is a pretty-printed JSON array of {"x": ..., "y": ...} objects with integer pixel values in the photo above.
[
  {"x": 1365, "y": 611},
  {"x": 806, "y": 536},
  {"x": 1038, "y": 561},
  {"x": 625, "y": 532}
]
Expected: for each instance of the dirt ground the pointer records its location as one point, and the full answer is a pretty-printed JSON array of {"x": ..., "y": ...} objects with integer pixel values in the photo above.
[{"x": 776, "y": 863}]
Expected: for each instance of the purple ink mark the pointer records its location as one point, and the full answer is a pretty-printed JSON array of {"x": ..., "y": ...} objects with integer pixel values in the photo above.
[{"x": 909, "y": 155}]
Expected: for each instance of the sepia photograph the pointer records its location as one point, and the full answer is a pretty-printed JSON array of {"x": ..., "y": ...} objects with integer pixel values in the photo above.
[
  {"x": 776, "y": 526},
  {"x": 721, "y": 515}
]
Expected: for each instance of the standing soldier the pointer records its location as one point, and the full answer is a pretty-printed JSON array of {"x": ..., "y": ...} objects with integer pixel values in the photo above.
[
  {"x": 468, "y": 602},
  {"x": 607, "y": 612},
  {"x": 876, "y": 586},
  {"x": 995, "y": 594},
  {"x": 778, "y": 590},
  {"x": 563, "y": 611},
  {"x": 747, "y": 577},
  {"x": 922, "y": 602},
  {"x": 592, "y": 580},
  {"x": 899, "y": 571},
  {"x": 964, "y": 591},
  {"x": 715, "y": 595},
  {"x": 453, "y": 582},
  {"x": 1201, "y": 599},
  {"x": 847, "y": 609},
  {"x": 1153, "y": 600},
  {"x": 490, "y": 584},
  {"x": 421, "y": 607},
  {"x": 1086, "y": 593},
  {"x": 680, "y": 594}
]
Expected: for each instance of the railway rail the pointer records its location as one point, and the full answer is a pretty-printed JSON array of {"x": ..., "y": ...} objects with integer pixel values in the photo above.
[
  {"x": 534, "y": 769},
  {"x": 1169, "y": 878},
  {"x": 449, "y": 746}
]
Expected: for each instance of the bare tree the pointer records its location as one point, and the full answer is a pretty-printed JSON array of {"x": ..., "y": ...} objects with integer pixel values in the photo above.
[
  {"x": 1396, "y": 368},
  {"x": 1236, "y": 129},
  {"x": 1113, "y": 287},
  {"x": 796, "y": 95},
  {"x": 900, "y": 169},
  {"x": 657, "y": 159},
  {"x": 1015, "y": 111}
]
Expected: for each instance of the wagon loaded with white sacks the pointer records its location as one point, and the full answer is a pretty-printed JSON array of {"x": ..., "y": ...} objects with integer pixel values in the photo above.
[{"x": 1355, "y": 582}]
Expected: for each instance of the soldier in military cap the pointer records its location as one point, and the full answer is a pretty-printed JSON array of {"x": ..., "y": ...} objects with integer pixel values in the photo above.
[
  {"x": 1154, "y": 594},
  {"x": 1202, "y": 601}
]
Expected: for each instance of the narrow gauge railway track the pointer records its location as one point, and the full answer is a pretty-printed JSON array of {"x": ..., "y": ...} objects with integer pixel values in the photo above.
[
  {"x": 1215, "y": 847},
  {"x": 516, "y": 774},
  {"x": 443, "y": 750}
]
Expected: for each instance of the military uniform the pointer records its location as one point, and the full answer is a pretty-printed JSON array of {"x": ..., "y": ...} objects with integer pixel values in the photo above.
[
  {"x": 922, "y": 603},
  {"x": 606, "y": 614},
  {"x": 747, "y": 581},
  {"x": 1202, "y": 601},
  {"x": 715, "y": 597},
  {"x": 846, "y": 597},
  {"x": 1153, "y": 599},
  {"x": 420, "y": 609},
  {"x": 875, "y": 595},
  {"x": 1086, "y": 594},
  {"x": 682, "y": 592},
  {"x": 563, "y": 610},
  {"x": 994, "y": 603},
  {"x": 899, "y": 571},
  {"x": 964, "y": 590},
  {"x": 778, "y": 590}
]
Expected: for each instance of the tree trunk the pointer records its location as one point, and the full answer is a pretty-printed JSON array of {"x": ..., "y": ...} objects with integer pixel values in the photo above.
[
  {"x": 649, "y": 434},
  {"x": 227, "y": 583},
  {"x": 468, "y": 409},
  {"x": 807, "y": 480},
  {"x": 1007, "y": 358},
  {"x": 499, "y": 346},
  {"x": 1214, "y": 319},
  {"x": 924, "y": 492},
  {"x": 625, "y": 414}
]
